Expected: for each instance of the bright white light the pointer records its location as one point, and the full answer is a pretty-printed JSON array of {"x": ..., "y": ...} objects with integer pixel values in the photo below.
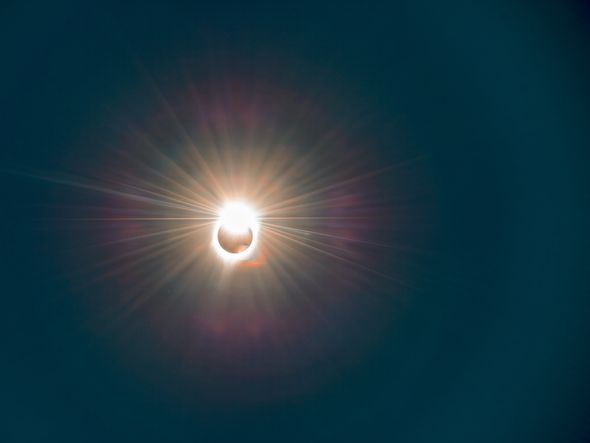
[{"x": 239, "y": 220}]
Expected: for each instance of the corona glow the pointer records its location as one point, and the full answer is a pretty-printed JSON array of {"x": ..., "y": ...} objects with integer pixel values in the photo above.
[{"x": 235, "y": 233}]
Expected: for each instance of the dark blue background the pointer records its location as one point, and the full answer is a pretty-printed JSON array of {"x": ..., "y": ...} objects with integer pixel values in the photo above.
[{"x": 495, "y": 349}]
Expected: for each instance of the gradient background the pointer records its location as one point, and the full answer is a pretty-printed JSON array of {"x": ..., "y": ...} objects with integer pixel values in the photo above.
[{"x": 495, "y": 94}]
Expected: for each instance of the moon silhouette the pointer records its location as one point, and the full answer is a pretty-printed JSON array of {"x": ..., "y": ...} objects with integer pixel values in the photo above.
[{"x": 234, "y": 243}]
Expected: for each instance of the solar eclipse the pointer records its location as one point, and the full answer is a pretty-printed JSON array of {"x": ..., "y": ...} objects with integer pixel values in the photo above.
[{"x": 236, "y": 231}]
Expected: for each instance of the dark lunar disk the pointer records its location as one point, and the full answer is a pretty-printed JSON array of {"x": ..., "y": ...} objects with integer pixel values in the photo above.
[{"x": 234, "y": 243}]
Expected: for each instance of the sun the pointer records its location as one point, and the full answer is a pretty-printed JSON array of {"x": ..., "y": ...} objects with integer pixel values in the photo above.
[{"x": 235, "y": 233}]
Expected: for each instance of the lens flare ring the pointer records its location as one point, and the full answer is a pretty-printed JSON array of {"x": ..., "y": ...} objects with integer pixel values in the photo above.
[{"x": 240, "y": 230}]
